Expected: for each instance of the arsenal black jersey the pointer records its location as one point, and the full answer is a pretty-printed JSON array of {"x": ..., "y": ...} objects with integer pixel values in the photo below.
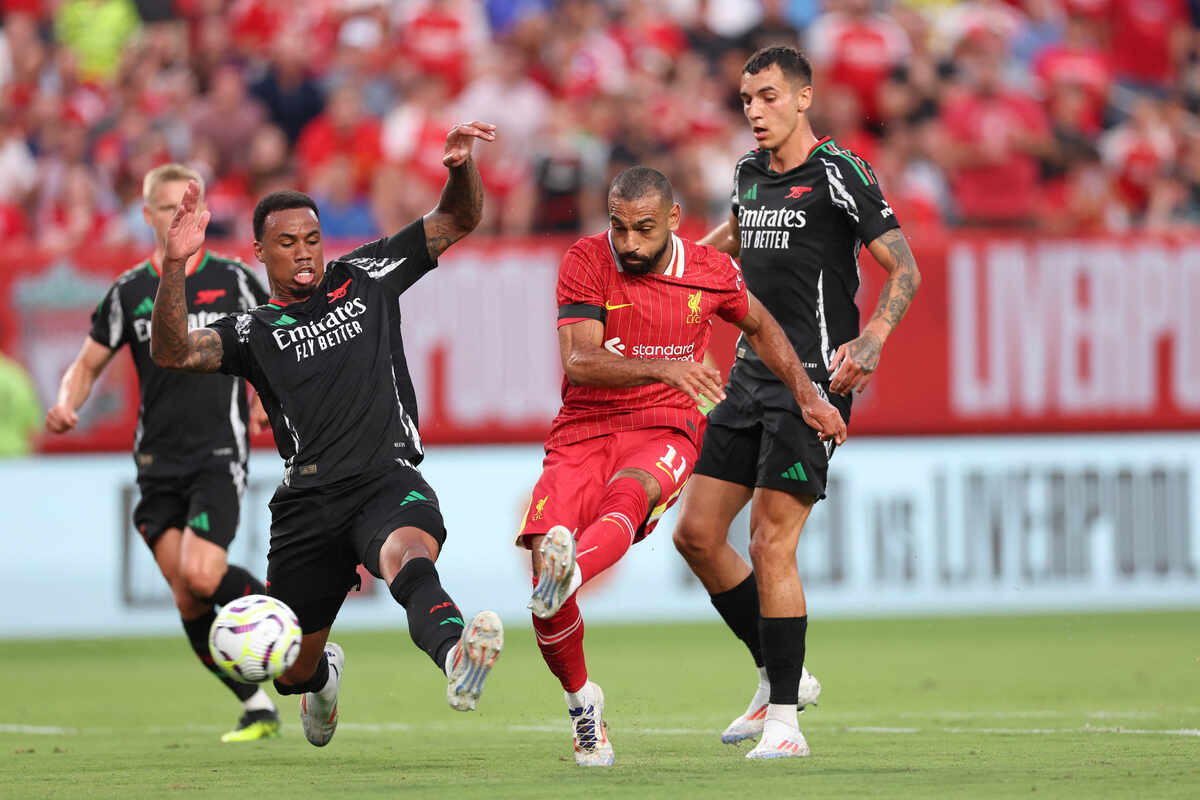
[
  {"x": 330, "y": 369},
  {"x": 184, "y": 419},
  {"x": 801, "y": 231}
]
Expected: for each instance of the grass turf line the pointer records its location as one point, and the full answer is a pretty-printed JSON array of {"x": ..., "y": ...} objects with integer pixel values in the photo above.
[{"x": 979, "y": 708}]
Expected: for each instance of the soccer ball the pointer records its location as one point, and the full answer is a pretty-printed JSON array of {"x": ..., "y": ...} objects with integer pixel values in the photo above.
[{"x": 255, "y": 638}]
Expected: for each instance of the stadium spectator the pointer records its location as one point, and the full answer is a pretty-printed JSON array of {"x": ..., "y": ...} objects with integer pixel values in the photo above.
[
  {"x": 291, "y": 95},
  {"x": 96, "y": 32},
  {"x": 855, "y": 47},
  {"x": 343, "y": 129},
  {"x": 228, "y": 117},
  {"x": 20, "y": 411},
  {"x": 994, "y": 135}
]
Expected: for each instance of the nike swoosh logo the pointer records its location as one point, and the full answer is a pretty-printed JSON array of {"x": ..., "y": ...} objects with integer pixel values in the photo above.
[{"x": 610, "y": 307}]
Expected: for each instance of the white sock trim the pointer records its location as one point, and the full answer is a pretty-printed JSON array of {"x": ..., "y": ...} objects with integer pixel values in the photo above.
[
  {"x": 581, "y": 698},
  {"x": 575, "y": 582},
  {"x": 259, "y": 701},
  {"x": 784, "y": 713}
]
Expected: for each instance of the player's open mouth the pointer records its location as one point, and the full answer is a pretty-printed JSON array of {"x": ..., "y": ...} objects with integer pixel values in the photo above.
[
  {"x": 760, "y": 133},
  {"x": 306, "y": 275}
]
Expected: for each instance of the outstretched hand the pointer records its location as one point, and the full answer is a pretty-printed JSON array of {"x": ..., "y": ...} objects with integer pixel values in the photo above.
[
  {"x": 186, "y": 234},
  {"x": 461, "y": 140}
]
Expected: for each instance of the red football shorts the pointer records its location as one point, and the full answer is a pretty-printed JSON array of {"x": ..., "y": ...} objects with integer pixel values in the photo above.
[{"x": 575, "y": 478}]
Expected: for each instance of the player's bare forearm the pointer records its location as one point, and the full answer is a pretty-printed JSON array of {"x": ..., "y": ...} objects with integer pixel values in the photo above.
[
  {"x": 892, "y": 252},
  {"x": 588, "y": 365},
  {"x": 171, "y": 344},
  {"x": 458, "y": 211},
  {"x": 77, "y": 381},
  {"x": 76, "y": 385},
  {"x": 772, "y": 345},
  {"x": 856, "y": 360},
  {"x": 724, "y": 237}
]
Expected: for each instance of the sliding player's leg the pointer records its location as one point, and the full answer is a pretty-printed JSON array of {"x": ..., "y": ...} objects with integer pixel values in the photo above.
[{"x": 398, "y": 536}]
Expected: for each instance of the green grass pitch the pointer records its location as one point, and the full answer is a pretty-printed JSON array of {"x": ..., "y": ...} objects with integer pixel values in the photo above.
[{"x": 1091, "y": 706}]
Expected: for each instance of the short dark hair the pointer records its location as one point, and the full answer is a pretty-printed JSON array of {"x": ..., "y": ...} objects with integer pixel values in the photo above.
[
  {"x": 280, "y": 201},
  {"x": 791, "y": 62},
  {"x": 637, "y": 182}
]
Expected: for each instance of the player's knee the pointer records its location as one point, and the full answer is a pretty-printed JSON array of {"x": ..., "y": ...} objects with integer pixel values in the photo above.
[
  {"x": 772, "y": 546},
  {"x": 190, "y": 606},
  {"x": 202, "y": 579},
  {"x": 693, "y": 542},
  {"x": 398, "y": 549}
]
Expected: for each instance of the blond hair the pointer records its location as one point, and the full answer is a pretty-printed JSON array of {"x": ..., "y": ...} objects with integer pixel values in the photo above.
[{"x": 165, "y": 174}]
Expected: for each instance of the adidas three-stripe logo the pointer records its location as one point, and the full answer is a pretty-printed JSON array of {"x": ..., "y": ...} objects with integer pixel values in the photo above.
[
  {"x": 413, "y": 496},
  {"x": 795, "y": 472}
]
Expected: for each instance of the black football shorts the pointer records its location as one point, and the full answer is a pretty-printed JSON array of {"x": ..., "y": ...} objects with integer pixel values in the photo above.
[
  {"x": 207, "y": 500},
  {"x": 319, "y": 536},
  {"x": 757, "y": 437}
]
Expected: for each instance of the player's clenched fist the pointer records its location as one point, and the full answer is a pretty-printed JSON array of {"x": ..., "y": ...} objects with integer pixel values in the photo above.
[
  {"x": 822, "y": 417},
  {"x": 693, "y": 379},
  {"x": 60, "y": 419}
]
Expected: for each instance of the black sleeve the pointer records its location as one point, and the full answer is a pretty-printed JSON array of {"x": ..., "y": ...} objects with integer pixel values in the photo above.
[
  {"x": 397, "y": 261},
  {"x": 236, "y": 358},
  {"x": 868, "y": 211},
  {"x": 108, "y": 320}
]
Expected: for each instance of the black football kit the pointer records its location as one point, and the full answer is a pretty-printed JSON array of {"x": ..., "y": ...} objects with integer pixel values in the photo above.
[
  {"x": 800, "y": 235},
  {"x": 190, "y": 445},
  {"x": 331, "y": 373}
]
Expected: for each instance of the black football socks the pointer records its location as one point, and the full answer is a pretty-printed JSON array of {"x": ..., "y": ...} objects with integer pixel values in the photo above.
[
  {"x": 197, "y": 634},
  {"x": 783, "y": 655},
  {"x": 739, "y": 608},
  {"x": 236, "y": 582},
  {"x": 434, "y": 621}
]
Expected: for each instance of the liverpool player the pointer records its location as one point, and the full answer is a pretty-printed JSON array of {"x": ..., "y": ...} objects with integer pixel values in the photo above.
[
  {"x": 802, "y": 207},
  {"x": 190, "y": 447},
  {"x": 635, "y": 312},
  {"x": 326, "y": 357}
]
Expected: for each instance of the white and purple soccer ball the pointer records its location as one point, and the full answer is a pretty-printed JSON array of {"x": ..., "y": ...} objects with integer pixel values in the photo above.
[{"x": 255, "y": 638}]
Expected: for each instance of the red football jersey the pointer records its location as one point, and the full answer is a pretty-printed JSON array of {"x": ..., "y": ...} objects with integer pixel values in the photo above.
[{"x": 645, "y": 316}]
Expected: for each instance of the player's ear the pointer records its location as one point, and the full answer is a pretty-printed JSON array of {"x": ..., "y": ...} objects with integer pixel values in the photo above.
[
  {"x": 804, "y": 98},
  {"x": 258, "y": 253},
  {"x": 673, "y": 218}
]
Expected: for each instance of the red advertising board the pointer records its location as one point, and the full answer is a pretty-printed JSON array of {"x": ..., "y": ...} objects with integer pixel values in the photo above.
[{"x": 1007, "y": 335}]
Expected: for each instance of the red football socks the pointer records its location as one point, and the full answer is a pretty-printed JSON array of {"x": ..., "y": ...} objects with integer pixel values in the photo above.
[
  {"x": 560, "y": 639},
  {"x": 622, "y": 511}
]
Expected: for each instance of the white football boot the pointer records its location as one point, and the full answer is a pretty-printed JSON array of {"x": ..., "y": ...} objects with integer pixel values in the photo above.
[
  {"x": 592, "y": 747},
  {"x": 556, "y": 575},
  {"x": 750, "y": 724},
  {"x": 469, "y": 662},
  {"x": 780, "y": 740},
  {"x": 319, "y": 714}
]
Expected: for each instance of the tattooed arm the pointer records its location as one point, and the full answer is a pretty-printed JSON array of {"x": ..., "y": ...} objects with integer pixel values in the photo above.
[
  {"x": 461, "y": 204},
  {"x": 171, "y": 345},
  {"x": 856, "y": 360}
]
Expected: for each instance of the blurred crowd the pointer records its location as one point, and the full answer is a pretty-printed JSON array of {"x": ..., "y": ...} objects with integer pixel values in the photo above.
[{"x": 1067, "y": 116}]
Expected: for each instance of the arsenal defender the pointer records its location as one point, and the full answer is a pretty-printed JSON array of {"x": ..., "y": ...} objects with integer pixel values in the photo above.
[
  {"x": 635, "y": 312},
  {"x": 802, "y": 209},
  {"x": 326, "y": 356}
]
